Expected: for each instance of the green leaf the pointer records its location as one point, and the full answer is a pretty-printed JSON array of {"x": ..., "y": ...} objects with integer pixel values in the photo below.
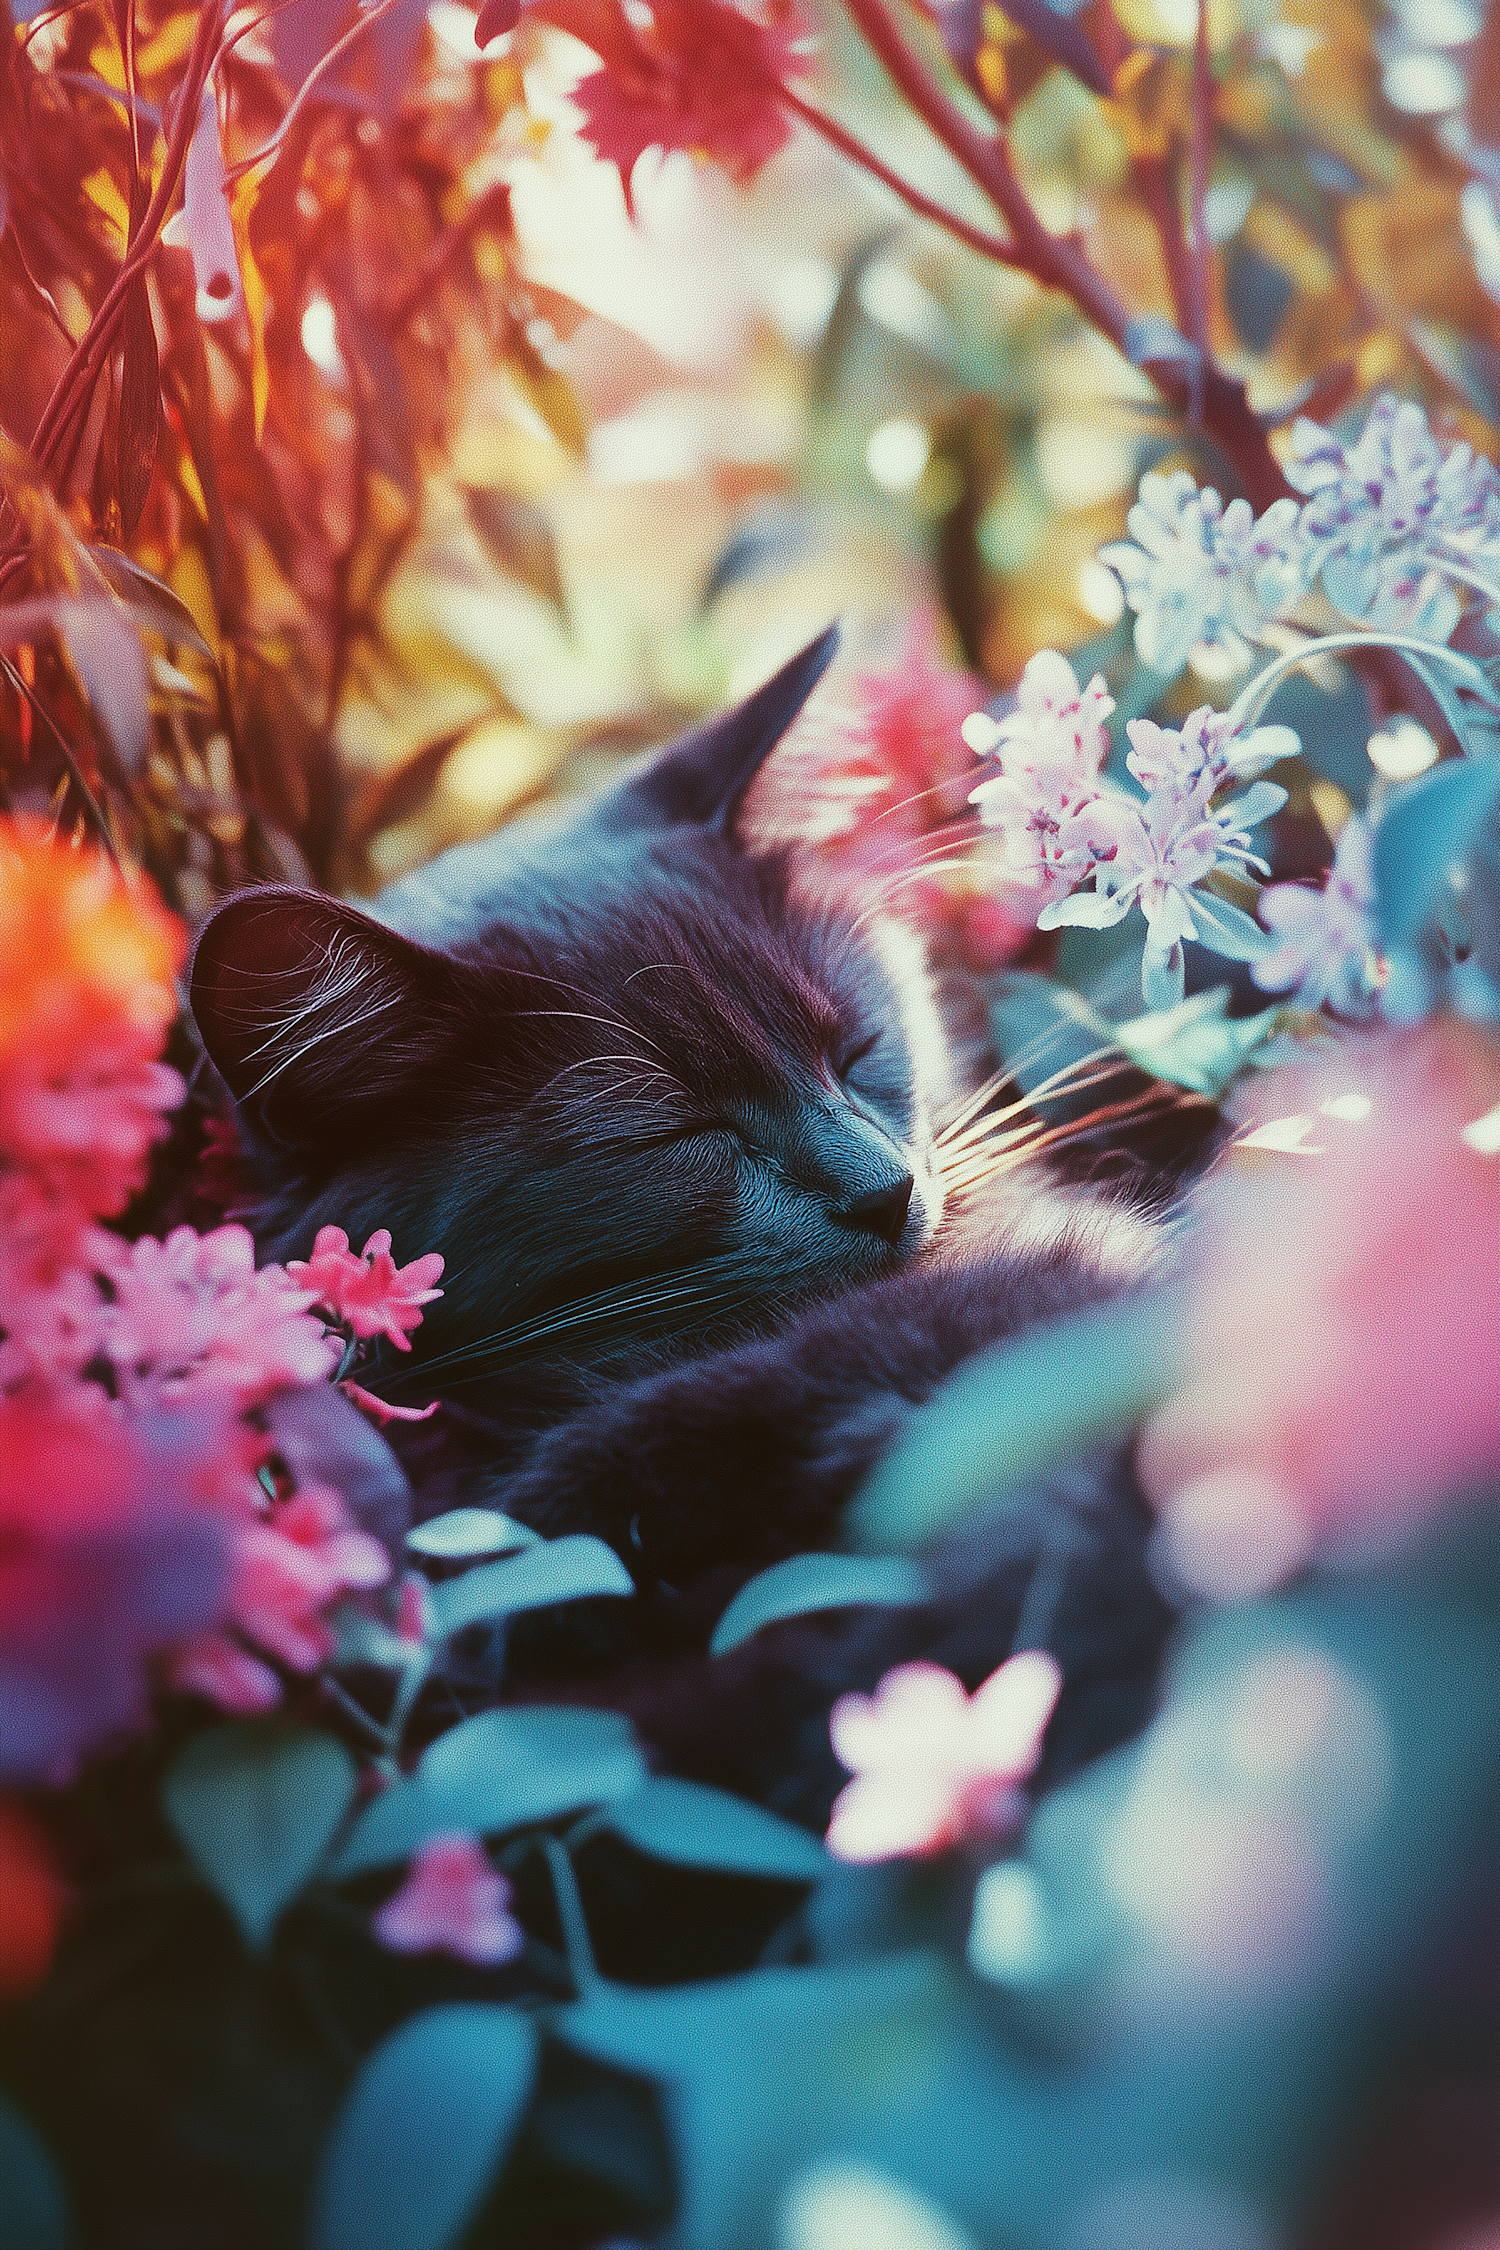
[
  {"x": 691, "y": 1826},
  {"x": 360, "y": 1639},
  {"x": 1228, "y": 929},
  {"x": 33, "y": 2205},
  {"x": 425, "y": 2130},
  {"x": 469, "y": 1532},
  {"x": 1195, "y": 1044},
  {"x": 1016, "y": 1410},
  {"x": 150, "y": 602},
  {"x": 555, "y": 1570},
  {"x": 1421, "y": 835},
  {"x": 764, "y": 2071},
  {"x": 500, "y": 1771},
  {"x": 256, "y": 1807},
  {"x": 805, "y": 1584}
]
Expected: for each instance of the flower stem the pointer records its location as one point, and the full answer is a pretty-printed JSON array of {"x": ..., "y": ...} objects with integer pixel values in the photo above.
[{"x": 575, "y": 1930}]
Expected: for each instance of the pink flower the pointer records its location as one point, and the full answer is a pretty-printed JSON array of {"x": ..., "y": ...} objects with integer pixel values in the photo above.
[
  {"x": 1205, "y": 752},
  {"x": 1344, "y": 1350},
  {"x": 289, "y": 1567},
  {"x": 1327, "y": 937},
  {"x": 192, "y": 1315},
  {"x": 369, "y": 1291},
  {"x": 106, "y": 1556},
  {"x": 697, "y": 75},
  {"x": 867, "y": 787},
  {"x": 933, "y": 1765},
  {"x": 451, "y": 1902}
]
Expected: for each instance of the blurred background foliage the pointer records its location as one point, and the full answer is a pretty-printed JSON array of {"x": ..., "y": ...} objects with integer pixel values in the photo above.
[{"x": 468, "y": 484}]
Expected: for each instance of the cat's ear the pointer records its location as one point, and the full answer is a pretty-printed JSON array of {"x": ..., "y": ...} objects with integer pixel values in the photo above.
[
  {"x": 701, "y": 780},
  {"x": 311, "y": 1012}
]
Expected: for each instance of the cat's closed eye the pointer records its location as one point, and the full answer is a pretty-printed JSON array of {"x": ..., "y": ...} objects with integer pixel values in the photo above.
[{"x": 849, "y": 1059}]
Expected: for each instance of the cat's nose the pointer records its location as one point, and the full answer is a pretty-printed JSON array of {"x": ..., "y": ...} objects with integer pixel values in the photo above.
[{"x": 881, "y": 1212}]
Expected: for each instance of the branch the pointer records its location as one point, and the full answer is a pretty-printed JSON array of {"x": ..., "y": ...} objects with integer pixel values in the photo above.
[
  {"x": 309, "y": 85},
  {"x": 988, "y": 245},
  {"x": 1060, "y": 262}
]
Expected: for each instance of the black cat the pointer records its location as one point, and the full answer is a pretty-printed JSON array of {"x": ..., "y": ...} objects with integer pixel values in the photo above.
[{"x": 670, "y": 1113}]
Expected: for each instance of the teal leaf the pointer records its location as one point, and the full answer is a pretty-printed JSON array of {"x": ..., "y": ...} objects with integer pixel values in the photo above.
[
  {"x": 426, "y": 2127},
  {"x": 1257, "y": 803},
  {"x": 33, "y": 2206},
  {"x": 1420, "y": 837},
  {"x": 470, "y": 1532},
  {"x": 255, "y": 1807},
  {"x": 1085, "y": 910},
  {"x": 1016, "y": 1410},
  {"x": 691, "y": 1826},
  {"x": 500, "y": 1771},
  {"x": 762, "y": 2072},
  {"x": 806, "y": 1584},
  {"x": 1045, "y": 1035},
  {"x": 555, "y": 1570},
  {"x": 1195, "y": 1044},
  {"x": 361, "y": 1639},
  {"x": 1228, "y": 929}
]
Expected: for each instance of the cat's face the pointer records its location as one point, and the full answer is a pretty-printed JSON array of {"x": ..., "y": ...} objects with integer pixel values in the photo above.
[{"x": 643, "y": 1088}]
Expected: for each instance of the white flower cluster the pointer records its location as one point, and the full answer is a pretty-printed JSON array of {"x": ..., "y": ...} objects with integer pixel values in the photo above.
[
  {"x": 1060, "y": 823},
  {"x": 1392, "y": 526}
]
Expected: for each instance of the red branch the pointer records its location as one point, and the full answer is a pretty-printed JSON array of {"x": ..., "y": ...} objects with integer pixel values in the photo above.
[{"x": 1056, "y": 261}]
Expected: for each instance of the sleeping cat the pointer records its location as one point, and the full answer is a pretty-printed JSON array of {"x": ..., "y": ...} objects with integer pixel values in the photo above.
[{"x": 670, "y": 1112}]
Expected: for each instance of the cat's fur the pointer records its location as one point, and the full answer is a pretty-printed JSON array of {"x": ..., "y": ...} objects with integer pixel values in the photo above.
[{"x": 670, "y": 1115}]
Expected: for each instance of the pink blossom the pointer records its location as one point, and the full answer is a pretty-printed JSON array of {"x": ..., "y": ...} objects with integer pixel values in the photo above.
[
  {"x": 192, "y": 1315},
  {"x": 106, "y": 1558},
  {"x": 1344, "y": 1353},
  {"x": 1326, "y": 938},
  {"x": 1045, "y": 799},
  {"x": 1205, "y": 752},
  {"x": 932, "y": 1764},
  {"x": 288, "y": 1567},
  {"x": 368, "y": 1291},
  {"x": 451, "y": 1902}
]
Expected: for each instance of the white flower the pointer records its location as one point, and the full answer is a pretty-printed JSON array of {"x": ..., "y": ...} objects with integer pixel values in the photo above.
[
  {"x": 932, "y": 1764},
  {"x": 1383, "y": 512},
  {"x": 1204, "y": 752},
  {"x": 1163, "y": 849},
  {"x": 1049, "y": 751},
  {"x": 1326, "y": 938},
  {"x": 1200, "y": 575},
  {"x": 1056, "y": 723}
]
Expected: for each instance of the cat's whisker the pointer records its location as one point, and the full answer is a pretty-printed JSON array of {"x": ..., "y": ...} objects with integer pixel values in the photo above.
[
  {"x": 603, "y": 1305},
  {"x": 975, "y": 1171},
  {"x": 880, "y": 904},
  {"x": 994, "y": 1132},
  {"x": 620, "y": 1023},
  {"x": 1065, "y": 1079}
]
